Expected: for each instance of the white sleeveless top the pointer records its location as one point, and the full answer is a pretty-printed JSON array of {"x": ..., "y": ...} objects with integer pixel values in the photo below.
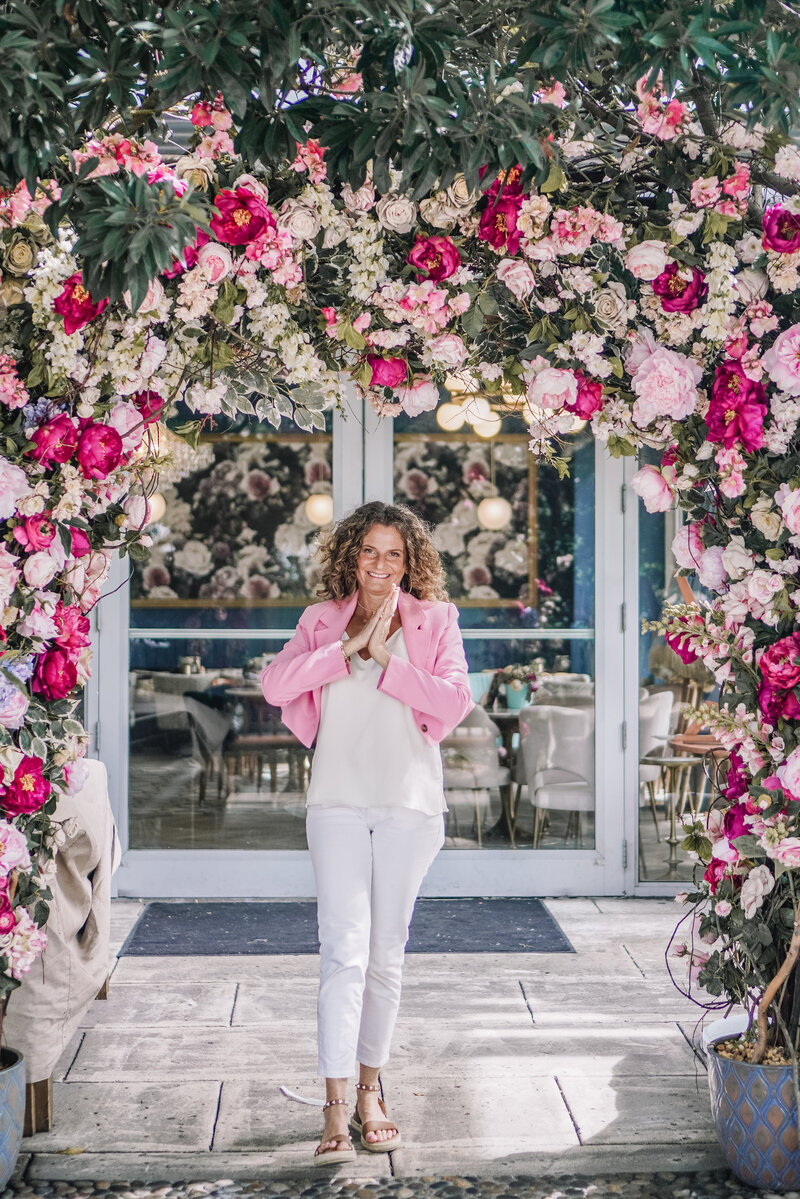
[{"x": 370, "y": 753}]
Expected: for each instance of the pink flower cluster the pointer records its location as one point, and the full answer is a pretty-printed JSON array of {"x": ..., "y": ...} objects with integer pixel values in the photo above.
[
  {"x": 13, "y": 392},
  {"x": 662, "y": 118}
]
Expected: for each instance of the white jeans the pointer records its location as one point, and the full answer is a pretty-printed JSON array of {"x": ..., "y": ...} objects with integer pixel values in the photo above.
[{"x": 369, "y": 864}]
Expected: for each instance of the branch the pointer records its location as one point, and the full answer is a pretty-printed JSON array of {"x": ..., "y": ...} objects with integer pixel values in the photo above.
[
  {"x": 776, "y": 182},
  {"x": 704, "y": 108},
  {"x": 760, "y": 1047}
]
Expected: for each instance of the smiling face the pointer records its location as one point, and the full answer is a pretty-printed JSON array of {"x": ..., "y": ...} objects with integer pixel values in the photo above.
[{"x": 381, "y": 562}]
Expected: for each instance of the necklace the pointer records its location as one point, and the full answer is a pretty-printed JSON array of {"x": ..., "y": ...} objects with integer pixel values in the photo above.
[{"x": 363, "y": 609}]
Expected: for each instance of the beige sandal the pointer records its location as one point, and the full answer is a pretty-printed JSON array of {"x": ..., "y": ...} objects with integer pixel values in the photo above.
[
  {"x": 333, "y": 1157},
  {"x": 361, "y": 1128}
]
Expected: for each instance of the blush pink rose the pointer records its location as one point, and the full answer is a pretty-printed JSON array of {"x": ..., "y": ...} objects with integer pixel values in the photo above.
[
  {"x": 99, "y": 450},
  {"x": 789, "y": 773},
  {"x": 789, "y": 504},
  {"x": 448, "y": 350},
  {"x": 215, "y": 260},
  {"x": 39, "y": 570},
  {"x": 786, "y": 851},
  {"x": 653, "y": 489},
  {"x": 35, "y": 532},
  {"x": 129, "y": 423},
  {"x": 517, "y": 277},
  {"x": 782, "y": 361},
  {"x": 387, "y": 372},
  {"x": 14, "y": 486},
  {"x": 13, "y": 708},
  {"x": 423, "y": 396},
  {"x": 665, "y": 385},
  {"x": 710, "y": 569},
  {"x": 647, "y": 260},
  {"x": 687, "y": 546}
]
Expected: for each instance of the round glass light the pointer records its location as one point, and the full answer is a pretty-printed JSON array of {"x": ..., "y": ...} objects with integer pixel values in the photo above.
[
  {"x": 494, "y": 512},
  {"x": 487, "y": 428},
  {"x": 319, "y": 509},
  {"x": 156, "y": 509},
  {"x": 450, "y": 416}
]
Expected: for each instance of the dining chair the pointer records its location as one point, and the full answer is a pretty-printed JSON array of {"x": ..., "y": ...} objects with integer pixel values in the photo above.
[
  {"x": 557, "y": 745},
  {"x": 470, "y": 766}
]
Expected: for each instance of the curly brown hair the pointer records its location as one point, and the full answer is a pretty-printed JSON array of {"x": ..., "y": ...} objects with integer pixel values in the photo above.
[{"x": 339, "y": 550}]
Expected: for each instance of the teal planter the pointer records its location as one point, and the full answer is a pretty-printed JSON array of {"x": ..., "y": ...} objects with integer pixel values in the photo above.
[
  {"x": 12, "y": 1110},
  {"x": 756, "y": 1121},
  {"x": 515, "y": 699}
]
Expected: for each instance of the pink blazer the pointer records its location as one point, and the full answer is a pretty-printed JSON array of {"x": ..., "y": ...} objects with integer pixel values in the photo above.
[{"x": 433, "y": 682}]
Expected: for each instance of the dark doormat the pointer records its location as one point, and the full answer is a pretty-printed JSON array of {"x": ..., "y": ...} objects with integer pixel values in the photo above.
[{"x": 243, "y": 927}]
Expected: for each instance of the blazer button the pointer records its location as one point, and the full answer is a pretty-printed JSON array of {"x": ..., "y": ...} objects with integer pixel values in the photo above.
[{"x": 424, "y": 728}]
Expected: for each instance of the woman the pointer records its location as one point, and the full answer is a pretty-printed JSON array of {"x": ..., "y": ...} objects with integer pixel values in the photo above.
[{"x": 377, "y": 674}]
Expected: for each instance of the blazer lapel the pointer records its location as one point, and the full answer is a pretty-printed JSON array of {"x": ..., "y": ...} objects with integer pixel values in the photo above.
[
  {"x": 416, "y": 628},
  {"x": 334, "y": 619}
]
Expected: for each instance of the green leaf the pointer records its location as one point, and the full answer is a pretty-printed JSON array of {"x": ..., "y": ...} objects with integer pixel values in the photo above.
[{"x": 556, "y": 179}]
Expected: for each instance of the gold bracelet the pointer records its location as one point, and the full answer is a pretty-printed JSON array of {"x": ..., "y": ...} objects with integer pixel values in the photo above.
[{"x": 344, "y": 655}]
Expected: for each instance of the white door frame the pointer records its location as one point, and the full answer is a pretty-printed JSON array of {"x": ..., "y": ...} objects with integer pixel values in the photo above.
[{"x": 363, "y": 451}]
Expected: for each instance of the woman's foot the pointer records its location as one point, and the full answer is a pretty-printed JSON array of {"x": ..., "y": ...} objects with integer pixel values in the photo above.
[
  {"x": 336, "y": 1144},
  {"x": 371, "y": 1120}
]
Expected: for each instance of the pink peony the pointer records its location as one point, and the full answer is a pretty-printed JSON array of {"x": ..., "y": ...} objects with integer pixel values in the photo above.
[
  {"x": 706, "y": 192},
  {"x": 498, "y": 223},
  {"x": 76, "y": 305},
  {"x": 81, "y": 544},
  {"x": 789, "y": 503},
  {"x": 13, "y": 708},
  {"x": 56, "y": 441},
  {"x": 786, "y": 851},
  {"x": 687, "y": 546},
  {"x": 779, "y": 663},
  {"x": 422, "y": 396},
  {"x": 242, "y": 218},
  {"x": 13, "y": 487},
  {"x": 14, "y": 852},
  {"x": 738, "y": 406},
  {"x": 99, "y": 450},
  {"x": 715, "y": 872},
  {"x": 434, "y": 258},
  {"x": 35, "y": 532},
  {"x": 387, "y": 372},
  {"x": 679, "y": 642},
  {"x": 40, "y": 569},
  {"x": 12, "y": 390},
  {"x": 553, "y": 388},
  {"x": 653, "y": 489},
  {"x": 781, "y": 230},
  {"x": 665, "y": 385},
  {"x": 680, "y": 288},
  {"x": 56, "y": 675},
  {"x": 782, "y": 361},
  {"x": 589, "y": 398},
  {"x": 215, "y": 260},
  {"x": 72, "y": 627},
  {"x": 448, "y": 351},
  {"x": 28, "y": 790},
  {"x": 789, "y": 773}
]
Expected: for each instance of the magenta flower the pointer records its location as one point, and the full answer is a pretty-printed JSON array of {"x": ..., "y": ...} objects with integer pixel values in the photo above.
[
  {"x": 738, "y": 406},
  {"x": 76, "y": 305},
  {"x": 387, "y": 372},
  {"x": 99, "y": 451},
  {"x": 56, "y": 441},
  {"x": 780, "y": 230},
  {"x": 242, "y": 218},
  {"x": 681, "y": 288},
  {"x": 435, "y": 258},
  {"x": 498, "y": 224}
]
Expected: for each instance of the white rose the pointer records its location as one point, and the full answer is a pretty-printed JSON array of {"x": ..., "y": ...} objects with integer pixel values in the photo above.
[
  {"x": 301, "y": 221},
  {"x": 749, "y": 247},
  {"x": 756, "y": 886},
  {"x": 763, "y": 585},
  {"x": 736, "y": 559},
  {"x": 447, "y": 350},
  {"x": 194, "y": 558},
  {"x": 459, "y": 195},
  {"x": 254, "y": 186},
  {"x": 10, "y": 759},
  {"x": 611, "y": 307},
  {"x": 647, "y": 260},
  {"x": 438, "y": 212},
  {"x": 751, "y": 285},
  {"x": 766, "y": 519},
  {"x": 216, "y": 261},
  {"x": 195, "y": 170},
  {"x": 517, "y": 277},
  {"x": 396, "y": 213}
]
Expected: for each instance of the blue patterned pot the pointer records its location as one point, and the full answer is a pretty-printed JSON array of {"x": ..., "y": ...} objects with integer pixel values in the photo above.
[
  {"x": 12, "y": 1110},
  {"x": 756, "y": 1121}
]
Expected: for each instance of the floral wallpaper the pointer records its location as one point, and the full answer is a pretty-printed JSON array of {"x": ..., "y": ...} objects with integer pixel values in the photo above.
[{"x": 237, "y": 529}]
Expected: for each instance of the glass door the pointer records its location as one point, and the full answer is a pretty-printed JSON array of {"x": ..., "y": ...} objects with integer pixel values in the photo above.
[{"x": 208, "y": 784}]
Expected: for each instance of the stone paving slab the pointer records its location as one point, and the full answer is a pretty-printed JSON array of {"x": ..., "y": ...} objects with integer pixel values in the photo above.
[
  {"x": 130, "y": 1117},
  {"x": 605, "y": 1001},
  {"x": 289, "y": 1164},
  {"x": 632, "y": 1111},
  {"x": 245, "y": 967},
  {"x": 161, "y": 1003}
]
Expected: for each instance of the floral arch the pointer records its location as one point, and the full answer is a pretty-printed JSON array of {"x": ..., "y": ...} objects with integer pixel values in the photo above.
[{"x": 667, "y": 317}]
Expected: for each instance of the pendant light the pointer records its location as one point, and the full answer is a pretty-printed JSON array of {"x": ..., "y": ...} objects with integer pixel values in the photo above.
[{"x": 494, "y": 512}]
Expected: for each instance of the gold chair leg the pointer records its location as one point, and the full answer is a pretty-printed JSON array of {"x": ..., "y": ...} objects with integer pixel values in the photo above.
[{"x": 652, "y": 793}]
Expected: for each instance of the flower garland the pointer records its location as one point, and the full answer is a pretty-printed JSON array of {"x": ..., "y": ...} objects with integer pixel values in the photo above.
[{"x": 666, "y": 318}]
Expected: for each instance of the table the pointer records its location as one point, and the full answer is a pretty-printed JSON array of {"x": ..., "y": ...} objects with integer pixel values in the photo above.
[{"x": 676, "y": 770}]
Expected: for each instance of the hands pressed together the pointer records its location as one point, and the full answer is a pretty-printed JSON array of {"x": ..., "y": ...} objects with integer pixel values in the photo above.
[{"x": 375, "y": 632}]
